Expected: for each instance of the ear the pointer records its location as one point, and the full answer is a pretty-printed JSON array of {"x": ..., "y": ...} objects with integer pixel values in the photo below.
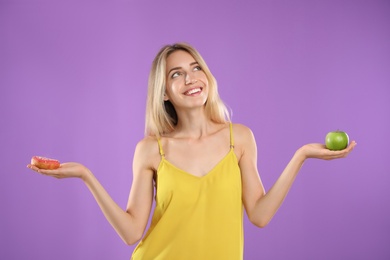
[{"x": 166, "y": 98}]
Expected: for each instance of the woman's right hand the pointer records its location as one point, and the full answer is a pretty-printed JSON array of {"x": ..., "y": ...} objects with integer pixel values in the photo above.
[{"x": 66, "y": 170}]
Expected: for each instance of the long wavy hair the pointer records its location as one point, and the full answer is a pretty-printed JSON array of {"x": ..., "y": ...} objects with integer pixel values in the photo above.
[{"x": 161, "y": 117}]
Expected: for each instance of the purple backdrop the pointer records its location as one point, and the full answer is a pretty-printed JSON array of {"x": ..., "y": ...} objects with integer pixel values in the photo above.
[{"x": 73, "y": 77}]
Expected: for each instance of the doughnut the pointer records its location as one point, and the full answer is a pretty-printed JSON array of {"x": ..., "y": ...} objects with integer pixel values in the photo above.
[{"x": 45, "y": 163}]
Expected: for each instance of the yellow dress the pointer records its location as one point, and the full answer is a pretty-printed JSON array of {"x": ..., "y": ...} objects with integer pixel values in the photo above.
[{"x": 199, "y": 218}]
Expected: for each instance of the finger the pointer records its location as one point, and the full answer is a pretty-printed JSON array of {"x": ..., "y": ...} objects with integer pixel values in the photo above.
[
  {"x": 330, "y": 155},
  {"x": 351, "y": 145},
  {"x": 348, "y": 149},
  {"x": 33, "y": 167},
  {"x": 52, "y": 173},
  {"x": 343, "y": 153}
]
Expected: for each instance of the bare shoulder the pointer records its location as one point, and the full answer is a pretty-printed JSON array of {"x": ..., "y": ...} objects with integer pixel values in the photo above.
[
  {"x": 244, "y": 140},
  {"x": 242, "y": 133},
  {"x": 147, "y": 144},
  {"x": 147, "y": 153}
]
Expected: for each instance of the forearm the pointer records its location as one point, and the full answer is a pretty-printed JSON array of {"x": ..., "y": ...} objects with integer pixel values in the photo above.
[
  {"x": 122, "y": 221},
  {"x": 267, "y": 205}
]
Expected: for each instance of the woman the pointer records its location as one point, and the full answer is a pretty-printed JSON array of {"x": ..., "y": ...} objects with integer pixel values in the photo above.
[{"x": 201, "y": 168}]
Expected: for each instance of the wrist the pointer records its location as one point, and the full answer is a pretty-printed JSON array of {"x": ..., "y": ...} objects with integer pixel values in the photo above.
[
  {"x": 86, "y": 174},
  {"x": 300, "y": 154}
]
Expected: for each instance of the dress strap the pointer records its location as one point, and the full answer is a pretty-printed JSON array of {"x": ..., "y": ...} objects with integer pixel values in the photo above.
[
  {"x": 160, "y": 147},
  {"x": 231, "y": 136}
]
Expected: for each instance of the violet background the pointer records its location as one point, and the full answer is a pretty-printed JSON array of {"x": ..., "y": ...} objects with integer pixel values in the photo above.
[{"x": 73, "y": 77}]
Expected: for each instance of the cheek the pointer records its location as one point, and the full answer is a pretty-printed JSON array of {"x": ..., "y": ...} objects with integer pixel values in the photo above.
[
  {"x": 203, "y": 78},
  {"x": 205, "y": 82},
  {"x": 170, "y": 89}
]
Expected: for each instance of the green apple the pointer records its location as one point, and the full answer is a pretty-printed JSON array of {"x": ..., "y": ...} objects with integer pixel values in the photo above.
[{"x": 336, "y": 140}]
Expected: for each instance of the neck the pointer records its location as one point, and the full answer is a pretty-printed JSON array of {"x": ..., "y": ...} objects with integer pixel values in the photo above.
[{"x": 193, "y": 124}]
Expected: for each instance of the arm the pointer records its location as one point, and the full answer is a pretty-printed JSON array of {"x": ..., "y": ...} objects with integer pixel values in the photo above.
[
  {"x": 129, "y": 224},
  {"x": 259, "y": 205}
]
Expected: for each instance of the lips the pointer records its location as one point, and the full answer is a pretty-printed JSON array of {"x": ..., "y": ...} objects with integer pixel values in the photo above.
[{"x": 193, "y": 91}]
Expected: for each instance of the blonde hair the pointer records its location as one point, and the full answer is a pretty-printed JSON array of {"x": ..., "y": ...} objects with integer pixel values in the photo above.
[{"x": 161, "y": 117}]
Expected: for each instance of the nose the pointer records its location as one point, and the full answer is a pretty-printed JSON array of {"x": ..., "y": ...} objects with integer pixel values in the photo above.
[{"x": 189, "y": 79}]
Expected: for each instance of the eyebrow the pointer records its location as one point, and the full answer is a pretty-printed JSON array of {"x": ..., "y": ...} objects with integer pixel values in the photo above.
[{"x": 177, "y": 68}]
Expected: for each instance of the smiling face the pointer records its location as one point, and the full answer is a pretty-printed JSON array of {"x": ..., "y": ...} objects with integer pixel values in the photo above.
[
  {"x": 186, "y": 82},
  {"x": 187, "y": 86}
]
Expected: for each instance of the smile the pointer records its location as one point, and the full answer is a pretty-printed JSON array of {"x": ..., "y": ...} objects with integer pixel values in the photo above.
[{"x": 193, "y": 91}]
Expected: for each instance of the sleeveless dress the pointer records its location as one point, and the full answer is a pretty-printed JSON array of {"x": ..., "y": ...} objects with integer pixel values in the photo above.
[{"x": 196, "y": 218}]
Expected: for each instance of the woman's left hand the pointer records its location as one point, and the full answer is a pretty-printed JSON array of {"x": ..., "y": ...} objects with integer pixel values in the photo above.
[{"x": 319, "y": 151}]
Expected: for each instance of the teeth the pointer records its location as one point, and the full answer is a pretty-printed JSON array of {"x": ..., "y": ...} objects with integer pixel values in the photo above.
[{"x": 192, "y": 91}]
